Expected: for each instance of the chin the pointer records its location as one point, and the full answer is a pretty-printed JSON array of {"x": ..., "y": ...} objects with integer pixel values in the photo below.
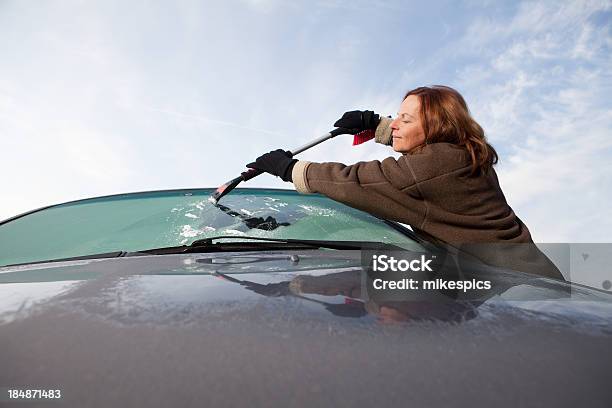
[{"x": 399, "y": 149}]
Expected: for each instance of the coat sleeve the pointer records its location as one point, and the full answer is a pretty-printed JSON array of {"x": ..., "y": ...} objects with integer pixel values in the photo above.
[
  {"x": 383, "y": 132},
  {"x": 386, "y": 189}
]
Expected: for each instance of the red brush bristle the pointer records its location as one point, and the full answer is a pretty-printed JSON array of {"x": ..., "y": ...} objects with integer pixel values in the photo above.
[{"x": 363, "y": 137}]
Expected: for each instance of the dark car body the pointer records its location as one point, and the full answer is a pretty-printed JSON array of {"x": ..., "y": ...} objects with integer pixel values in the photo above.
[{"x": 292, "y": 327}]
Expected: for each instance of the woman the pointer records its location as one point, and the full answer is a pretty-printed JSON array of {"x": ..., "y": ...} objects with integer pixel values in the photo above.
[{"x": 444, "y": 183}]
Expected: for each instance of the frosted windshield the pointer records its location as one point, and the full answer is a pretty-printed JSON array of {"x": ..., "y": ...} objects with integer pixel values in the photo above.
[{"x": 139, "y": 221}]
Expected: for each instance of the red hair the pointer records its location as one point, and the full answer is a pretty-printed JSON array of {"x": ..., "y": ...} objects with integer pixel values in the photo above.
[{"x": 446, "y": 118}]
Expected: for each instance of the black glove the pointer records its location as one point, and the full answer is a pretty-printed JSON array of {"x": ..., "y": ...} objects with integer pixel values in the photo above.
[
  {"x": 277, "y": 162},
  {"x": 358, "y": 121}
]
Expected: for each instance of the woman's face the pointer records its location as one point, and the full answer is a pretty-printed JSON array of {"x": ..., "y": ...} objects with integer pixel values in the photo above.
[{"x": 406, "y": 129}]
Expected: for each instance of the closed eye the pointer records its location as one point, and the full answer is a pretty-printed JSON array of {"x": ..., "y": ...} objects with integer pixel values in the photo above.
[{"x": 405, "y": 117}]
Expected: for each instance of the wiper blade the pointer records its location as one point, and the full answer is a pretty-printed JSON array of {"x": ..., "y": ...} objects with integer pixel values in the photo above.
[
  {"x": 312, "y": 243},
  {"x": 265, "y": 244},
  {"x": 205, "y": 242},
  {"x": 116, "y": 254},
  {"x": 208, "y": 245}
]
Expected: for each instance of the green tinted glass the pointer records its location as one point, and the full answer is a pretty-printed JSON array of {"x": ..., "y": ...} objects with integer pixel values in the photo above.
[{"x": 141, "y": 221}]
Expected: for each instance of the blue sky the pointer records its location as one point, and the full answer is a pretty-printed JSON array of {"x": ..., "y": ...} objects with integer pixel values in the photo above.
[{"x": 104, "y": 97}]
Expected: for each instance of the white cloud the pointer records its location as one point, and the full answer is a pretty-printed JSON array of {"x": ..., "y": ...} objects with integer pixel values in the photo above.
[{"x": 541, "y": 99}]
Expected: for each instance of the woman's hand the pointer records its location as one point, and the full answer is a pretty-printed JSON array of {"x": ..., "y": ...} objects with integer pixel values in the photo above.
[
  {"x": 358, "y": 121},
  {"x": 277, "y": 162}
]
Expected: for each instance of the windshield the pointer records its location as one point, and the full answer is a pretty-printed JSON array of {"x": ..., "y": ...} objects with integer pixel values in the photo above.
[{"x": 139, "y": 221}]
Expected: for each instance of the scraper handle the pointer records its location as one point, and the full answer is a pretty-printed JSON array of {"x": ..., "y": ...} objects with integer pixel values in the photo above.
[{"x": 250, "y": 173}]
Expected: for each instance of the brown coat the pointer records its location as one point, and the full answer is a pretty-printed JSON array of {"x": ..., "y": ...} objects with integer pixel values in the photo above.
[{"x": 433, "y": 191}]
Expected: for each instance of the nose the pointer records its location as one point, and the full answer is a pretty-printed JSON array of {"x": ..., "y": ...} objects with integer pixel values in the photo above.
[{"x": 393, "y": 124}]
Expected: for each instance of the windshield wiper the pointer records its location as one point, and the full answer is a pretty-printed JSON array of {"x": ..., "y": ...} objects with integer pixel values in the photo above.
[
  {"x": 242, "y": 244},
  {"x": 116, "y": 254},
  {"x": 264, "y": 244}
]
